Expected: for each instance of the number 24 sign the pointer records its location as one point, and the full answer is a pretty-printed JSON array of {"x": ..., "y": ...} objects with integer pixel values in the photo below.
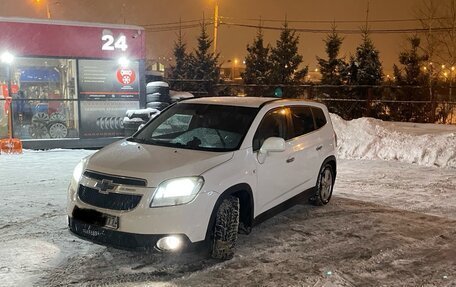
[{"x": 111, "y": 43}]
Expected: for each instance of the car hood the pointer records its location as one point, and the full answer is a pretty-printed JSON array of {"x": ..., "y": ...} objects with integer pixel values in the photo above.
[{"x": 153, "y": 163}]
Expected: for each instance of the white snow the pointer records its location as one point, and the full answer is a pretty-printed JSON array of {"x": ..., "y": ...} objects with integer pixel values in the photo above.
[
  {"x": 133, "y": 120},
  {"x": 149, "y": 112},
  {"x": 423, "y": 144},
  {"x": 34, "y": 239}
]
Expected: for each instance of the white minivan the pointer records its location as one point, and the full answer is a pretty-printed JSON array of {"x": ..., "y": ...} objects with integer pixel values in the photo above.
[{"x": 202, "y": 171}]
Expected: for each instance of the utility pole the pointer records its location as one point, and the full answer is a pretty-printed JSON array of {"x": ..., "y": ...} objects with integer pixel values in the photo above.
[
  {"x": 216, "y": 22},
  {"x": 124, "y": 7},
  {"x": 48, "y": 10}
]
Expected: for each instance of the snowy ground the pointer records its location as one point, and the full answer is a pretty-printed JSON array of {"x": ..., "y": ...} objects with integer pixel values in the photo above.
[{"x": 390, "y": 223}]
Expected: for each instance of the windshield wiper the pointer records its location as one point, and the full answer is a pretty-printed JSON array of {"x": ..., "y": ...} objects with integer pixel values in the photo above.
[{"x": 221, "y": 138}]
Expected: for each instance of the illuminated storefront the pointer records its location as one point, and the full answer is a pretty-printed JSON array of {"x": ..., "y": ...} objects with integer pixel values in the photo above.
[{"x": 71, "y": 83}]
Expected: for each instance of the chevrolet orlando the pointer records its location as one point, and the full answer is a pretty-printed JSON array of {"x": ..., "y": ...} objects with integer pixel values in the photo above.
[{"x": 202, "y": 171}]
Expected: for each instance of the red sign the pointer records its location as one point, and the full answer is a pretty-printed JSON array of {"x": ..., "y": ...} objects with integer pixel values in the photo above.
[
  {"x": 126, "y": 76},
  {"x": 31, "y": 37}
]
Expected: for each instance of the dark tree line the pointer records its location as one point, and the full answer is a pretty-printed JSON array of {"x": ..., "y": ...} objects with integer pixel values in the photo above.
[
  {"x": 199, "y": 67},
  {"x": 279, "y": 71}
]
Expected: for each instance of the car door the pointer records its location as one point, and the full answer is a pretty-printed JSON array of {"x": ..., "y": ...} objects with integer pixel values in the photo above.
[
  {"x": 306, "y": 146},
  {"x": 273, "y": 173}
]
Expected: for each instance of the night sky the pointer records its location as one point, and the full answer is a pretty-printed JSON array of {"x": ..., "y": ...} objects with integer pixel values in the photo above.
[{"x": 233, "y": 39}]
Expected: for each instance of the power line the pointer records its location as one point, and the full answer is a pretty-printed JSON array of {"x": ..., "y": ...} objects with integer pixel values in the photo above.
[
  {"x": 343, "y": 31},
  {"x": 172, "y": 23},
  {"x": 190, "y": 24},
  {"x": 175, "y": 27},
  {"x": 333, "y": 21}
]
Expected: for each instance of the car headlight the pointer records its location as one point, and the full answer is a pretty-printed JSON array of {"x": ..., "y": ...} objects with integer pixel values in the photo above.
[
  {"x": 177, "y": 191},
  {"x": 78, "y": 170}
]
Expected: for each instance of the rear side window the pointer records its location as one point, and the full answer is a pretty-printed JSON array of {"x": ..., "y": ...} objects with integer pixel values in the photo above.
[
  {"x": 320, "y": 118},
  {"x": 302, "y": 120},
  {"x": 274, "y": 124}
]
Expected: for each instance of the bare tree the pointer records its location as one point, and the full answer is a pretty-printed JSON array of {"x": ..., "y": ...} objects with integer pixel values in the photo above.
[
  {"x": 438, "y": 18},
  {"x": 428, "y": 13}
]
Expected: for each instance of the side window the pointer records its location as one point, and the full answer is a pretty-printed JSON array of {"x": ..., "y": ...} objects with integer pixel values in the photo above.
[
  {"x": 302, "y": 120},
  {"x": 319, "y": 115},
  {"x": 274, "y": 124}
]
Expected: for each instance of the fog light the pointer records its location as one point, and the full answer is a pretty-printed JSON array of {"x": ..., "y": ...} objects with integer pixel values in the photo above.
[{"x": 169, "y": 243}]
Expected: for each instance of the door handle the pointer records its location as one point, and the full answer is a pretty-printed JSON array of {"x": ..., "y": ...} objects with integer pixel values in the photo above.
[
  {"x": 291, "y": 159},
  {"x": 319, "y": 147}
]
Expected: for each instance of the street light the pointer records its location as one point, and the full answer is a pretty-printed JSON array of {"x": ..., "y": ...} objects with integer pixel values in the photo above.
[
  {"x": 7, "y": 58},
  {"x": 124, "y": 62}
]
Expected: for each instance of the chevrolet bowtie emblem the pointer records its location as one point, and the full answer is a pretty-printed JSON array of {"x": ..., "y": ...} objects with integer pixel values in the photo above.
[{"x": 104, "y": 186}]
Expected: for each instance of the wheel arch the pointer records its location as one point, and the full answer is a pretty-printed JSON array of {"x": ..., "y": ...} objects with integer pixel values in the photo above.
[
  {"x": 244, "y": 192},
  {"x": 333, "y": 162}
]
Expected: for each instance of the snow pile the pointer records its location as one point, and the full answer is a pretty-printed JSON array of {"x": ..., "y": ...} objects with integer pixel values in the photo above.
[
  {"x": 142, "y": 113},
  {"x": 423, "y": 144}
]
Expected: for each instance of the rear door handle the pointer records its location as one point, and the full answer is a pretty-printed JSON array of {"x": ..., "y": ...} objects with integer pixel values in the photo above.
[
  {"x": 291, "y": 159},
  {"x": 319, "y": 147}
]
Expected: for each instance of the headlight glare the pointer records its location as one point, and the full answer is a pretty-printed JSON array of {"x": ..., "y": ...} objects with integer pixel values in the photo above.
[
  {"x": 77, "y": 172},
  {"x": 177, "y": 191}
]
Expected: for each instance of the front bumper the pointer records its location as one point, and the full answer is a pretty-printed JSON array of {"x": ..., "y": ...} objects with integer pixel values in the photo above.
[
  {"x": 119, "y": 239},
  {"x": 142, "y": 226},
  {"x": 114, "y": 238}
]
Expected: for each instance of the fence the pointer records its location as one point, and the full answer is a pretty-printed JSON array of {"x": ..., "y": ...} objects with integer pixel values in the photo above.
[{"x": 423, "y": 104}]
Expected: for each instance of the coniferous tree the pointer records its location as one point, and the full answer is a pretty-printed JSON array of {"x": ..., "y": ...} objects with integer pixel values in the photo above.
[
  {"x": 366, "y": 66},
  {"x": 411, "y": 73},
  {"x": 365, "y": 69},
  {"x": 286, "y": 61},
  {"x": 203, "y": 63},
  {"x": 180, "y": 70},
  {"x": 332, "y": 69},
  {"x": 257, "y": 65},
  {"x": 410, "y": 77}
]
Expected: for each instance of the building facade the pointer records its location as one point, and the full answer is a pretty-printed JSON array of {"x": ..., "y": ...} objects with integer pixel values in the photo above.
[{"x": 69, "y": 83}]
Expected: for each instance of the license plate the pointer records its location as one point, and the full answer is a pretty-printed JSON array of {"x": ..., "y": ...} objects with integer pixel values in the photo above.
[
  {"x": 96, "y": 218},
  {"x": 112, "y": 221}
]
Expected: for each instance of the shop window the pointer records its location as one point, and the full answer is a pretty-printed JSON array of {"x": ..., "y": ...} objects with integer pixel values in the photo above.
[
  {"x": 45, "y": 103},
  {"x": 3, "y": 105}
]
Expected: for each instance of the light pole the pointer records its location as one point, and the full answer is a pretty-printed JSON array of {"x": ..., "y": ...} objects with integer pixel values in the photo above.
[
  {"x": 48, "y": 6},
  {"x": 216, "y": 22},
  {"x": 451, "y": 83}
]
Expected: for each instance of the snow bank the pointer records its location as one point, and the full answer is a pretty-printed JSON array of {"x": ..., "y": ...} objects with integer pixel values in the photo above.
[
  {"x": 423, "y": 144},
  {"x": 142, "y": 112}
]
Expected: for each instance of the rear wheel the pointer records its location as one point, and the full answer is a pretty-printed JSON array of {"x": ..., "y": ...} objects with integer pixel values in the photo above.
[
  {"x": 324, "y": 188},
  {"x": 225, "y": 229}
]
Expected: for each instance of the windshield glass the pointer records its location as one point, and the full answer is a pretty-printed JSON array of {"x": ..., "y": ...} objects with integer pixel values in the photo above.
[{"x": 199, "y": 127}]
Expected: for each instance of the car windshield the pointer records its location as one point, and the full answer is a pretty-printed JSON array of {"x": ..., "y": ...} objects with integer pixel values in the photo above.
[{"x": 199, "y": 127}]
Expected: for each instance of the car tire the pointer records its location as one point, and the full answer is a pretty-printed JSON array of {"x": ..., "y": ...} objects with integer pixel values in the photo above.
[
  {"x": 324, "y": 187},
  {"x": 225, "y": 229}
]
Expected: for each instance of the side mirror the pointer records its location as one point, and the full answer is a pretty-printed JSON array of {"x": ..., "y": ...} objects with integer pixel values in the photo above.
[{"x": 272, "y": 144}]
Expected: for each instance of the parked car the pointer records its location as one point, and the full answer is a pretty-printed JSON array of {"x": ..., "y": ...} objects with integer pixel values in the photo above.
[{"x": 202, "y": 171}]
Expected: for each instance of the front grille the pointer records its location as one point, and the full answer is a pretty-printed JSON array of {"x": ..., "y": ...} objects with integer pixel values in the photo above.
[
  {"x": 116, "y": 179},
  {"x": 114, "y": 201}
]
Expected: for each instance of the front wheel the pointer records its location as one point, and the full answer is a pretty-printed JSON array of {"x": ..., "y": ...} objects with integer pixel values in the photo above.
[
  {"x": 324, "y": 188},
  {"x": 226, "y": 229}
]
